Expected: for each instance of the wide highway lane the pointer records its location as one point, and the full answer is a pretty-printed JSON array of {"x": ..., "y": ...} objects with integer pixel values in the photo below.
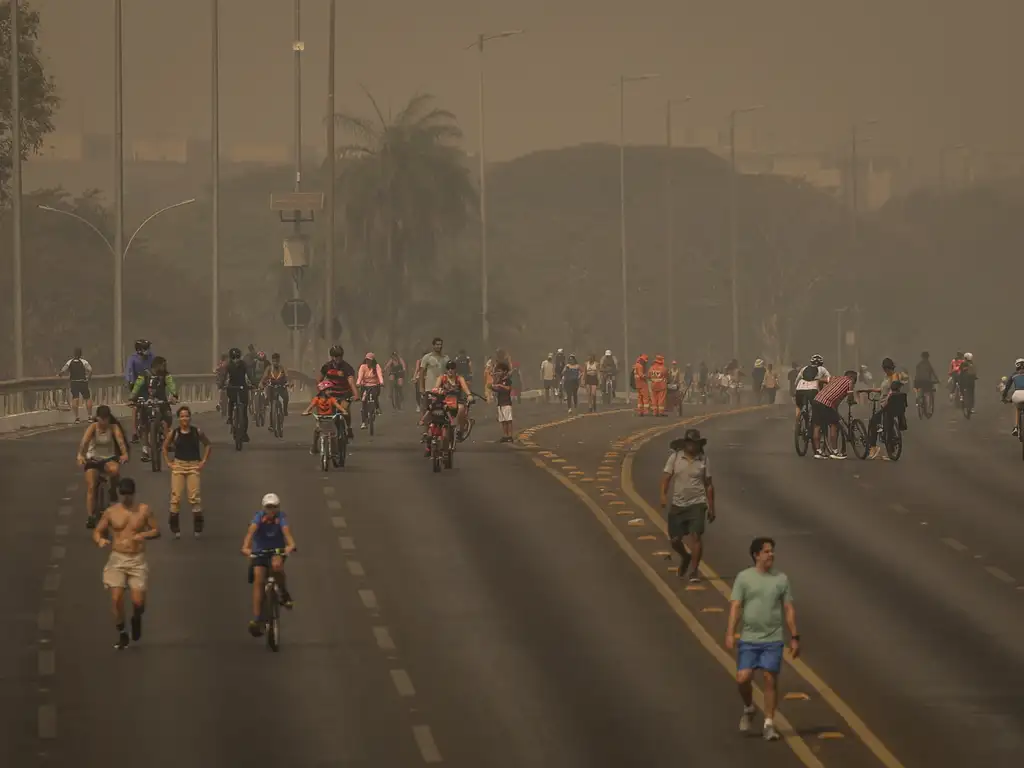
[
  {"x": 476, "y": 617},
  {"x": 908, "y": 575}
]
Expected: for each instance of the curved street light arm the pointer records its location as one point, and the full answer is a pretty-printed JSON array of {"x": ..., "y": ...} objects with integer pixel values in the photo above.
[
  {"x": 85, "y": 221},
  {"x": 149, "y": 218}
]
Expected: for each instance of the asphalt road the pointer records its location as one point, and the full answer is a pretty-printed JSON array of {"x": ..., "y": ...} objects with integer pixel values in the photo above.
[{"x": 489, "y": 617}]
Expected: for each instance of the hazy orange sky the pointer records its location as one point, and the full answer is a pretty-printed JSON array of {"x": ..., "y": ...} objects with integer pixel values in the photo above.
[{"x": 934, "y": 71}]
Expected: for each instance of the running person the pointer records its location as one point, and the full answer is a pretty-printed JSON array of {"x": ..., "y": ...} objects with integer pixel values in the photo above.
[
  {"x": 268, "y": 530},
  {"x": 101, "y": 452},
  {"x": 591, "y": 380},
  {"x": 79, "y": 372},
  {"x": 131, "y": 526}
]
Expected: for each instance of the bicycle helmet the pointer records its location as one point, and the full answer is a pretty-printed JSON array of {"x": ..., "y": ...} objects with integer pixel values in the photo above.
[
  {"x": 276, "y": 356},
  {"x": 608, "y": 353},
  {"x": 337, "y": 351},
  {"x": 958, "y": 355},
  {"x": 1019, "y": 363},
  {"x": 452, "y": 365},
  {"x": 235, "y": 353},
  {"x": 572, "y": 358},
  {"x": 817, "y": 360},
  {"x": 323, "y": 386},
  {"x": 968, "y": 356},
  {"x": 271, "y": 500},
  {"x": 141, "y": 345},
  {"x": 262, "y": 355}
]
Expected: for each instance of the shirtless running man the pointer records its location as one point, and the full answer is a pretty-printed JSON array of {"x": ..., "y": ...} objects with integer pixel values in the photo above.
[{"x": 130, "y": 525}]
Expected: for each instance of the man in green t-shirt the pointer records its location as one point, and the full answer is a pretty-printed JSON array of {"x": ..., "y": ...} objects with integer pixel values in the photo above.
[{"x": 761, "y": 598}]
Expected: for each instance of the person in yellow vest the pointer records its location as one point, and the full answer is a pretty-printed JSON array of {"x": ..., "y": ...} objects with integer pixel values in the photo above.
[
  {"x": 658, "y": 377},
  {"x": 643, "y": 391}
]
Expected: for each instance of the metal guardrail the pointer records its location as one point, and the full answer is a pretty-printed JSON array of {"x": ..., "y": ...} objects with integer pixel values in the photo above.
[{"x": 52, "y": 393}]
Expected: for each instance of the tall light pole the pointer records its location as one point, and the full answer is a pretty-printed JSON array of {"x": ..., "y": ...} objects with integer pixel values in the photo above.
[
  {"x": 215, "y": 174},
  {"x": 734, "y": 230},
  {"x": 19, "y": 330},
  {"x": 670, "y": 223},
  {"x": 855, "y": 175},
  {"x": 623, "y": 80},
  {"x": 297, "y": 47},
  {"x": 332, "y": 24},
  {"x": 839, "y": 338},
  {"x": 481, "y": 39},
  {"x": 117, "y": 249},
  {"x": 118, "y": 186}
]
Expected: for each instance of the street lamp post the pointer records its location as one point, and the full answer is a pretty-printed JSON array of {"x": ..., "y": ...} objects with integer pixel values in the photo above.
[
  {"x": 734, "y": 230},
  {"x": 623, "y": 80},
  {"x": 118, "y": 262},
  {"x": 118, "y": 182},
  {"x": 481, "y": 39},
  {"x": 670, "y": 223},
  {"x": 215, "y": 174},
  {"x": 19, "y": 329}
]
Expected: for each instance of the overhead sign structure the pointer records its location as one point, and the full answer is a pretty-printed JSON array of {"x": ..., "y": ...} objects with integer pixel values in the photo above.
[{"x": 296, "y": 314}]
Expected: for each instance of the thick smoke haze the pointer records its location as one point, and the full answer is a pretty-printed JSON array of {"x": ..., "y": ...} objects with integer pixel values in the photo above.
[{"x": 935, "y": 72}]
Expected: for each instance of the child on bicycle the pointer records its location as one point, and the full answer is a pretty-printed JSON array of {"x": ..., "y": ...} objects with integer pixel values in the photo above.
[
  {"x": 268, "y": 531},
  {"x": 324, "y": 404}
]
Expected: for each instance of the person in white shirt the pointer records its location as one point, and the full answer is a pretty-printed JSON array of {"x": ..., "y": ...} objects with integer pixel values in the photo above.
[
  {"x": 547, "y": 375},
  {"x": 809, "y": 381}
]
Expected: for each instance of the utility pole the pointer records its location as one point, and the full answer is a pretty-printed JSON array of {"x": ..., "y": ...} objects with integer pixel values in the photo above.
[
  {"x": 118, "y": 188},
  {"x": 297, "y": 47},
  {"x": 669, "y": 230},
  {"x": 215, "y": 174},
  {"x": 733, "y": 236},
  {"x": 331, "y": 169},
  {"x": 19, "y": 330}
]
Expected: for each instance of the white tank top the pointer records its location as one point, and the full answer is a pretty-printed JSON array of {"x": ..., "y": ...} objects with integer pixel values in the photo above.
[{"x": 102, "y": 444}]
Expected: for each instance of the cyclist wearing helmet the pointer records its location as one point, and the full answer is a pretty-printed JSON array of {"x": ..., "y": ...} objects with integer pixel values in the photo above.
[
  {"x": 276, "y": 376},
  {"x": 925, "y": 377},
  {"x": 967, "y": 377},
  {"x": 342, "y": 378},
  {"x": 1013, "y": 392},
  {"x": 451, "y": 383},
  {"x": 238, "y": 383},
  {"x": 268, "y": 530},
  {"x": 324, "y": 403},
  {"x": 370, "y": 379},
  {"x": 138, "y": 364},
  {"x": 809, "y": 381},
  {"x": 954, "y": 371}
]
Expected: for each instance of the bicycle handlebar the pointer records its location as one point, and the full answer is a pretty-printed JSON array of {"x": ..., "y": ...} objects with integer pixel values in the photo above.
[{"x": 276, "y": 551}]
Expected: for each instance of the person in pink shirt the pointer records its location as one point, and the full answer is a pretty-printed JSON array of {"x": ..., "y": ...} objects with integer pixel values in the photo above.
[{"x": 369, "y": 381}]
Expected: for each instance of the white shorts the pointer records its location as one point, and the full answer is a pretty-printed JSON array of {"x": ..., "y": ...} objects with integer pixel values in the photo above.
[
  {"x": 504, "y": 413},
  {"x": 1017, "y": 398}
]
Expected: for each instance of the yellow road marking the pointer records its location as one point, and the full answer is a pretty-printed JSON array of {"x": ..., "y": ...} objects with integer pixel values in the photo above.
[
  {"x": 792, "y": 738},
  {"x": 616, "y": 503},
  {"x": 637, "y": 522},
  {"x": 558, "y": 461},
  {"x": 712, "y": 609},
  {"x": 830, "y": 735},
  {"x": 646, "y": 538},
  {"x": 794, "y": 696},
  {"x": 660, "y": 554},
  {"x": 695, "y": 588},
  {"x": 857, "y": 725},
  {"x": 624, "y": 512},
  {"x": 569, "y": 466}
]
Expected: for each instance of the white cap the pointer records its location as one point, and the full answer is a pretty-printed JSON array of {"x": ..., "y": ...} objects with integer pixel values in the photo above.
[
  {"x": 271, "y": 500},
  {"x": 968, "y": 356},
  {"x": 559, "y": 349},
  {"x": 608, "y": 352}
]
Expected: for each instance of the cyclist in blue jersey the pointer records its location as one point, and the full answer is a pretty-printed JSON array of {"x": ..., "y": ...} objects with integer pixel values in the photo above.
[
  {"x": 1015, "y": 384},
  {"x": 268, "y": 530}
]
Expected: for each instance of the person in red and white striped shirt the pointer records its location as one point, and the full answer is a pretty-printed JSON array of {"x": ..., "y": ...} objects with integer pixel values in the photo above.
[{"x": 825, "y": 413}]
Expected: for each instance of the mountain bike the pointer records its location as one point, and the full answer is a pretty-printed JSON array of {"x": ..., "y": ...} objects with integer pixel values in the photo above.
[
  {"x": 270, "y": 611},
  {"x": 275, "y": 396},
  {"x": 237, "y": 431},
  {"x": 803, "y": 430},
  {"x": 608, "y": 390},
  {"x": 925, "y": 403},
  {"x": 369, "y": 408},
  {"x": 889, "y": 432},
  {"x": 849, "y": 431},
  {"x": 153, "y": 429},
  {"x": 259, "y": 406}
]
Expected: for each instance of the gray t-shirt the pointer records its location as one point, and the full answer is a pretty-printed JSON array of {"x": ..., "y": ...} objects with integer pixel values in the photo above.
[
  {"x": 433, "y": 366},
  {"x": 761, "y": 596},
  {"x": 689, "y": 478}
]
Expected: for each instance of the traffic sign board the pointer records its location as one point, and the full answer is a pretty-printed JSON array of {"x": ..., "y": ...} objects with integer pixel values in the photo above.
[{"x": 296, "y": 314}]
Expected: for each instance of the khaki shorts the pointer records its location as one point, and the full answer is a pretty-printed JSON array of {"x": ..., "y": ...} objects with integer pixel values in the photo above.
[{"x": 131, "y": 571}]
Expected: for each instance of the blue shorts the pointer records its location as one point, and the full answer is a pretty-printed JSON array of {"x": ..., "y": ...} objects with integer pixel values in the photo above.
[{"x": 767, "y": 656}]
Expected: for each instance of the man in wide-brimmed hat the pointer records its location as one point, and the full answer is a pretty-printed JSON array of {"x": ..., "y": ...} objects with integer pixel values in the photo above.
[{"x": 693, "y": 499}]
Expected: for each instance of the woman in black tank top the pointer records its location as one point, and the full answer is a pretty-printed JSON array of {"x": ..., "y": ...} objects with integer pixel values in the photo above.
[{"x": 191, "y": 452}]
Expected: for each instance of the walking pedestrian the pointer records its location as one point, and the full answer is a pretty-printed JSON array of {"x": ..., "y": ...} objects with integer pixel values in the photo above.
[
  {"x": 502, "y": 387},
  {"x": 79, "y": 372},
  {"x": 761, "y": 598},
  {"x": 547, "y": 375},
  {"x": 770, "y": 385},
  {"x": 693, "y": 499},
  {"x": 191, "y": 452}
]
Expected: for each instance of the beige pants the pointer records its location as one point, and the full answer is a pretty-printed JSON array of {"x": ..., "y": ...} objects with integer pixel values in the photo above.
[
  {"x": 126, "y": 571},
  {"x": 185, "y": 474}
]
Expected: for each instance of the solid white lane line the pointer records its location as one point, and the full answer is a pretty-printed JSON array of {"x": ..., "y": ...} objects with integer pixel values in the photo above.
[{"x": 425, "y": 741}]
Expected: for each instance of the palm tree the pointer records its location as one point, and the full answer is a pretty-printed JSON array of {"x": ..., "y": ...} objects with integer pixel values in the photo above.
[{"x": 406, "y": 192}]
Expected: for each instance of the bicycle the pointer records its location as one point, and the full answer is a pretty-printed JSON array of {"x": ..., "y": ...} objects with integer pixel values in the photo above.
[
  {"x": 1020, "y": 436},
  {"x": 803, "y": 430},
  {"x": 329, "y": 434},
  {"x": 925, "y": 403},
  {"x": 889, "y": 428},
  {"x": 966, "y": 402},
  {"x": 237, "y": 431},
  {"x": 397, "y": 393},
  {"x": 152, "y": 418},
  {"x": 608, "y": 391},
  {"x": 369, "y": 408},
  {"x": 849, "y": 431},
  {"x": 270, "y": 610},
  {"x": 276, "y": 409},
  {"x": 259, "y": 407}
]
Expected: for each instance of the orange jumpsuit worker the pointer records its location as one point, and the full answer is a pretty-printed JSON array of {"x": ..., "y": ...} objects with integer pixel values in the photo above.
[
  {"x": 643, "y": 392},
  {"x": 659, "y": 384}
]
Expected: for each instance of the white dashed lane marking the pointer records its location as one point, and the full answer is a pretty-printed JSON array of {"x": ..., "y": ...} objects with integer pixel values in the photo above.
[
  {"x": 383, "y": 637},
  {"x": 339, "y": 522},
  {"x": 403, "y": 683},
  {"x": 346, "y": 543},
  {"x": 1000, "y": 574},
  {"x": 425, "y": 741},
  {"x": 369, "y": 598},
  {"x": 47, "y": 720},
  {"x": 46, "y": 662},
  {"x": 333, "y": 504},
  {"x": 356, "y": 568}
]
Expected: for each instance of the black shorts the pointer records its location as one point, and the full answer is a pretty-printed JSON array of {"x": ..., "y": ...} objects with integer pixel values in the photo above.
[
  {"x": 263, "y": 561},
  {"x": 80, "y": 390},
  {"x": 590, "y": 380},
  {"x": 804, "y": 395},
  {"x": 98, "y": 464},
  {"x": 925, "y": 386},
  {"x": 822, "y": 415}
]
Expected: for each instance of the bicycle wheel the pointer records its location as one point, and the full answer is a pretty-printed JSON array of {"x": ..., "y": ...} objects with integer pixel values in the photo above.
[
  {"x": 929, "y": 405},
  {"x": 894, "y": 442},
  {"x": 339, "y": 457},
  {"x": 802, "y": 434},
  {"x": 236, "y": 426},
  {"x": 859, "y": 438},
  {"x": 325, "y": 452},
  {"x": 155, "y": 445},
  {"x": 967, "y": 404},
  {"x": 272, "y": 610},
  {"x": 372, "y": 418},
  {"x": 435, "y": 455},
  {"x": 278, "y": 418}
]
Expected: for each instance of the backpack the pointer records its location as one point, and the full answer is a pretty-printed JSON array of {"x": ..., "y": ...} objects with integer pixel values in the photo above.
[
  {"x": 809, "y": 373},
  {"x": 632, "y": 378}
]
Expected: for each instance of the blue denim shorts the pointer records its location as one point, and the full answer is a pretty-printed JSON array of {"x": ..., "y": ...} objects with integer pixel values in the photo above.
[{"x": 767, "y": 656}]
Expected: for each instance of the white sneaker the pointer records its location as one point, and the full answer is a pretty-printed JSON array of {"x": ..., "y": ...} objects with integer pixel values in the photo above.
[
  {"x": 769, "y": 733},
  {"x": 838, "y": 456},
  {"x": 1016, "y": 432},
  {"x": 747, "y": 721},
  {"x": 820, "y": 455}
]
